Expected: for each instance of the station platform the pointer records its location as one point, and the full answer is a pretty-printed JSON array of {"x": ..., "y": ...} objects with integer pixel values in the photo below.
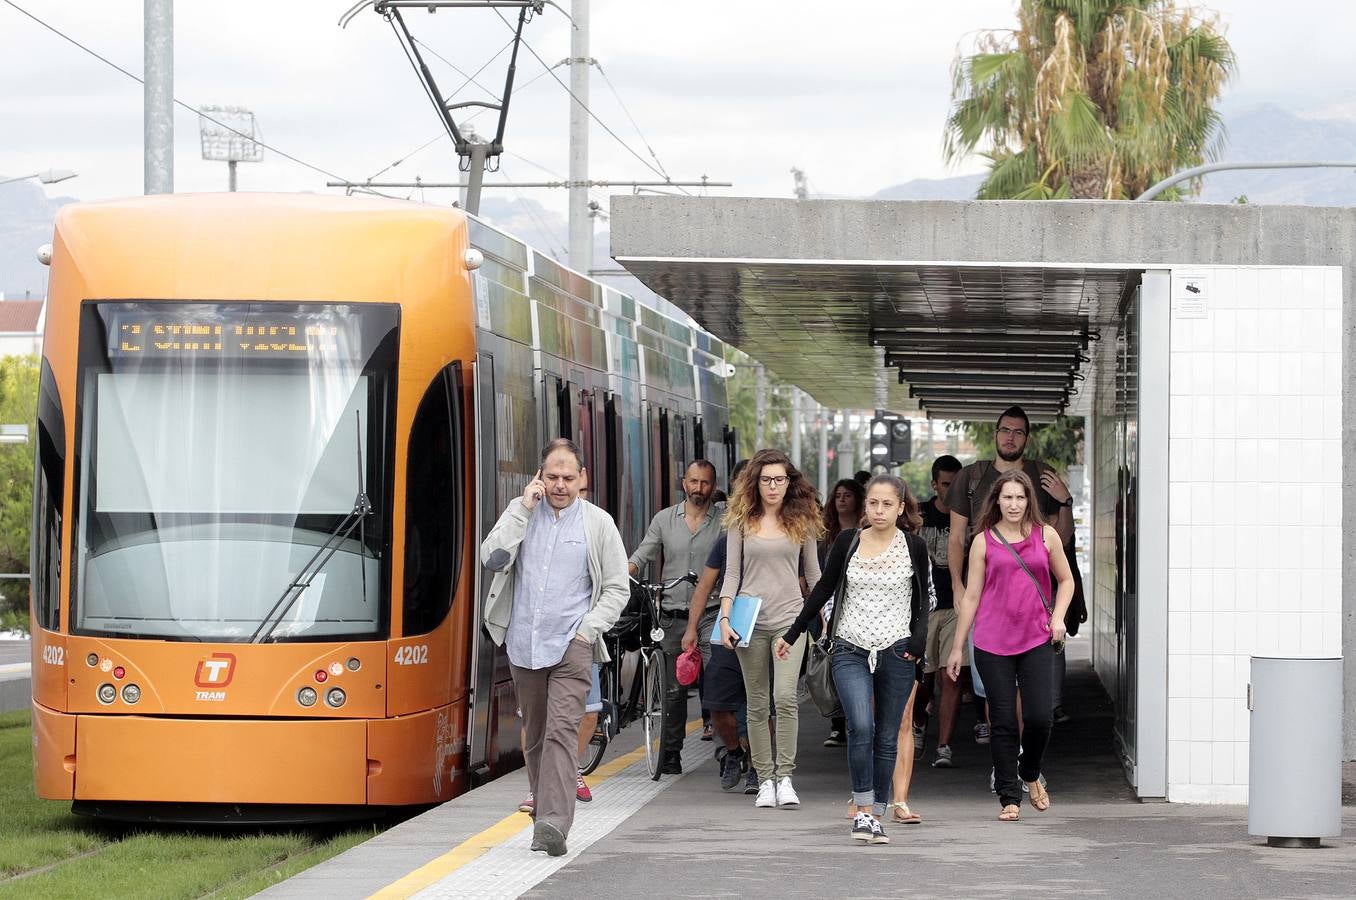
[{"x": 683, "y": 837}]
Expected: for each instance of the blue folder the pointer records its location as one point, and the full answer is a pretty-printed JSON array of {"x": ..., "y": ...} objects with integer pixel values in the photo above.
[{"x": 743, "y": 616}]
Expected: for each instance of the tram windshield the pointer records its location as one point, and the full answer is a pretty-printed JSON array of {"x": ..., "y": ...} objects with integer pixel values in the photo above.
[{"x": 220, "y": 447}]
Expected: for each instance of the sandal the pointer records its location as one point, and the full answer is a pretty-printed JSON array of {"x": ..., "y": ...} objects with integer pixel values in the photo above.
[
  {"x": 905, "y": 816},
  {"x": 1040, "y": 797},
  {"x": 1010, "y": 813}
]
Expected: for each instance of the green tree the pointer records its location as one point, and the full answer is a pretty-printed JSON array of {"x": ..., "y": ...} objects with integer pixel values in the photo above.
[
  {"x": 1091, "y": 99},
  {"x": 18, "y": 406}
]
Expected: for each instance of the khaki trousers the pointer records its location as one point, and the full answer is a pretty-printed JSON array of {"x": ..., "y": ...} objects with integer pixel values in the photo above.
[
  {"x": 552, "y": 701},
  {"x": 761, "y": 688}
]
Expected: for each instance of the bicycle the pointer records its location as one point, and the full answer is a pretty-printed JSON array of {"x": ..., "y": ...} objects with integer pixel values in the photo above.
[{"x": 634, "y": 644}]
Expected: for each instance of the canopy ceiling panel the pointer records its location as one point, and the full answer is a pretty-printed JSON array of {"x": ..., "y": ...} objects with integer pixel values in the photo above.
[{"x": 960, "y": 340}]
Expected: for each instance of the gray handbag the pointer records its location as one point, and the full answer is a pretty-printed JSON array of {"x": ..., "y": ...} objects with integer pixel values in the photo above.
[{"x": 819, "y": 666}]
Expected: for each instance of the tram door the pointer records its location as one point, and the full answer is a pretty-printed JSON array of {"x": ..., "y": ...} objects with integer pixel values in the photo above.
[{"x": 486, "y": 513}]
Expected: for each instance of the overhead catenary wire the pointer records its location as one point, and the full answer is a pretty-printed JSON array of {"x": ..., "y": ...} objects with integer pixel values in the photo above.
[
  {"x": 443, "y": 133},
  {"x": 592, "y": 115},
  {"x": 634, "y": 124},
  {"x": 177, "y": 102}
]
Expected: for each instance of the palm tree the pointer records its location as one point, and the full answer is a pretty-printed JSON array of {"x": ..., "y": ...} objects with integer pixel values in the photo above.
[{"x": 1092, "y": 99}]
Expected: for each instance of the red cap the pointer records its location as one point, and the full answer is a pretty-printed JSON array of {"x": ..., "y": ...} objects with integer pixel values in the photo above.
[{"x": 689, "y": 666}]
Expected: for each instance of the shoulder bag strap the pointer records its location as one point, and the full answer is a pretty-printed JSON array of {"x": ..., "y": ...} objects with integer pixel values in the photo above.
[{"x": 1049, "y": 608}]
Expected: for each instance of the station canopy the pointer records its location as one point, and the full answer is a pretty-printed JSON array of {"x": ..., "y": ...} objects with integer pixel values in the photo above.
[{"x": 960, "y": 339}]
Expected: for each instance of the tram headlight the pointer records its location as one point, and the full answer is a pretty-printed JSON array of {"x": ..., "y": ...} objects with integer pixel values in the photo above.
[
  {"x": 336, "y": 697},
  {"x": 306, "y": 696},
  {"x": 107, "y": 693},
  {"x": 92, "y": 660},
  {"x": 131, "y": 693},
  {"x": 354, "y": 664}
]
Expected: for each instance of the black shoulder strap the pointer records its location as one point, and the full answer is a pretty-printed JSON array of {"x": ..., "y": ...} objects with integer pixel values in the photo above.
[{"x": 978, "y": 471}]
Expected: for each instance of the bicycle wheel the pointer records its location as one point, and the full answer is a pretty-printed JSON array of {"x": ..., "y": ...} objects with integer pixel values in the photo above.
[
  {"x": 655, "y": 683},
  {"x": 594, "y": 750}
]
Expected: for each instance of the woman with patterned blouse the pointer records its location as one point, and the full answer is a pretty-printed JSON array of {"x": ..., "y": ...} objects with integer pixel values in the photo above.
[{"x": 879, "y": 580}]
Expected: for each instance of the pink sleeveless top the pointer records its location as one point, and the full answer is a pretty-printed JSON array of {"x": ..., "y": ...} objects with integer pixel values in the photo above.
[{"x": 1011, "y": 617}]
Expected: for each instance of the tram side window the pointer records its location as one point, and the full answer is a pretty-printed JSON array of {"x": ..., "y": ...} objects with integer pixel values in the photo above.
[
  {"x": 48, "y": 492},
  {"x": 434, "y": 474}
]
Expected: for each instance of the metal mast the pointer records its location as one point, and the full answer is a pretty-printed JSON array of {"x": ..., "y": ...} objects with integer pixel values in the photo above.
[
  {"x": 158, "y": 108},
  {"x": 581, "y": 223}
]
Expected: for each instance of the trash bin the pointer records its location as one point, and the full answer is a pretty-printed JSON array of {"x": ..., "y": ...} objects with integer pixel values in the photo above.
[{"x": 1295, "y": 750}]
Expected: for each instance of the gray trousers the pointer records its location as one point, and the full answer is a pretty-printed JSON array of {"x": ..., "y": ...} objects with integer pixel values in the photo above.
[{"x": 552, "y": 701}]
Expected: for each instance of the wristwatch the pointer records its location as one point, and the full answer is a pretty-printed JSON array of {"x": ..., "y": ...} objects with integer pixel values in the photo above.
[{"x": 1068, "y": 502}]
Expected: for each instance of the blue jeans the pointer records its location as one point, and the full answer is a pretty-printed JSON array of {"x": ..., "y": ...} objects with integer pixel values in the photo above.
[{"x": 873, "y": 704}]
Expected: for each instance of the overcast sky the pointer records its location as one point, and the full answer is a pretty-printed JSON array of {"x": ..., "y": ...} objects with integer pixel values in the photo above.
[{"x": 854, "y": 93}]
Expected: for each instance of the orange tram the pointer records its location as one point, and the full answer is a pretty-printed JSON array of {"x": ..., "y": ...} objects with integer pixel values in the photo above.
[{"x": 272, "y": 430}]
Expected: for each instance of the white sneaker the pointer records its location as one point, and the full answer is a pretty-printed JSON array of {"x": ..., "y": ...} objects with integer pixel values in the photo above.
[
  {"x": 786, "y": 794},
  {"x": 767, "y": 795}
]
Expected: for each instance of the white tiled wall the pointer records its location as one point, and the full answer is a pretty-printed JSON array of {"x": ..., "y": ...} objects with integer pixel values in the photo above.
[{"x": 1255, "y": 510}]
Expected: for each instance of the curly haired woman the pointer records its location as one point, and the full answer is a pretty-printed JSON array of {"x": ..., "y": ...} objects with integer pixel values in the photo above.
[{"x": 773, "y": 522}]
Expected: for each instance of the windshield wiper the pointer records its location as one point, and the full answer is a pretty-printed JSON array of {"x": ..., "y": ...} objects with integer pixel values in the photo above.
[{"x": 362, "y": 508}]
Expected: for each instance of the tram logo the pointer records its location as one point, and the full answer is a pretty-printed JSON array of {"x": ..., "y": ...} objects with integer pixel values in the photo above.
[{"x": 216, "y": 671}]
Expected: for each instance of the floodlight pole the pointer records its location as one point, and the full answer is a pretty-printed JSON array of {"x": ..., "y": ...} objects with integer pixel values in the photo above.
[
  {"x": 158, "y": 110},
  {"x": 230, "y": 174}
]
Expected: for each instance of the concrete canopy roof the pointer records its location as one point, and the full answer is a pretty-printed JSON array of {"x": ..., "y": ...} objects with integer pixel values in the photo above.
[{"x": 976, "y": 304}]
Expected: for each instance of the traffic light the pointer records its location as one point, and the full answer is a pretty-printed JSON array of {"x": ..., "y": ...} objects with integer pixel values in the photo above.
[
  {"x": 880, "y": 440},
  {"x": 901, "y": 441}
]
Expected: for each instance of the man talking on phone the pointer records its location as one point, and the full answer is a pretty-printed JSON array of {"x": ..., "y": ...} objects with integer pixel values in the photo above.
[{"x": 560, "y": 582}]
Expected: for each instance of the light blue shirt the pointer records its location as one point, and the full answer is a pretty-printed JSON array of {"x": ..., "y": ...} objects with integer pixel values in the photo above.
[{"x": 552, "y": 588}]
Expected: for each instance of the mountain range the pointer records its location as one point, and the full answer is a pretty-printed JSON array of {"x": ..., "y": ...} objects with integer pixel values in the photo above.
[{"x": 1260, "y": 133}]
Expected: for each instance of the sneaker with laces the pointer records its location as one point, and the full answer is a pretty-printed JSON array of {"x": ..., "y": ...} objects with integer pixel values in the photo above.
[
  {"x": 982, "y": 733},
  {"x": 528, "y": 805},
  {"x": 581, "y": 789},
  {"x": 767, "y": 795},
  {"x": 835, "y": 739},
  {"x": 707, "y": 732},
  {"x": 730, "y": 776},
  {"x": 786, "y": 794},
  {"x": 878, "y": 835},
  {"x": 861, "y": 828},
  {"x": 943, "y": 760},
  {"x": 750, "y": 781}
]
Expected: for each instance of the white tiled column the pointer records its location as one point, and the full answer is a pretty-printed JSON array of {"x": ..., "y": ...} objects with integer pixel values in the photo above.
[{"x": 1254, "y": 505}]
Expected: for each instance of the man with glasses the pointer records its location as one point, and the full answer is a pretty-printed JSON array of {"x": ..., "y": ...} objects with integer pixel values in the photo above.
[{"x": 684, "y": 533}]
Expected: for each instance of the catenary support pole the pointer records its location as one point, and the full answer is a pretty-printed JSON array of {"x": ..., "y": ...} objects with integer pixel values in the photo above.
[
  {"x": 158, "y": 97},
  {"x": 795, "y": 427},
  {"x": 581, "y": 223}
]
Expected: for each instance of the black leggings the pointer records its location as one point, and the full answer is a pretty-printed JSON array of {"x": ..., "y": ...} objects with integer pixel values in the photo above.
[{"x": 1034, "y": 671}]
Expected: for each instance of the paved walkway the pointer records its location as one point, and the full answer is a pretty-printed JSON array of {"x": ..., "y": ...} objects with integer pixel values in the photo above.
[{"x": 686, "y": 838}]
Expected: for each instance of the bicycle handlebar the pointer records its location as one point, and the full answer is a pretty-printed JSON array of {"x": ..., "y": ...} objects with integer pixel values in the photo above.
[{"x": 690, "y": 578}]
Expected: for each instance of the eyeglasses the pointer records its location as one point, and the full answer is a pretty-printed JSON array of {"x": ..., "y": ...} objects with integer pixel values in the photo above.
[
  {"x": 1015, "y": 432},
  {"x": 769, "y": 480}
]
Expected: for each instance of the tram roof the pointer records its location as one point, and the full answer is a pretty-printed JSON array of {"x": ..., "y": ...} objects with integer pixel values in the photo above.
[{"x": 977, "y": 304}]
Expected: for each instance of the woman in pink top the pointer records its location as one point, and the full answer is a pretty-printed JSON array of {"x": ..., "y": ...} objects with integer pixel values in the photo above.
[{"x": 1017, "y": 625}]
